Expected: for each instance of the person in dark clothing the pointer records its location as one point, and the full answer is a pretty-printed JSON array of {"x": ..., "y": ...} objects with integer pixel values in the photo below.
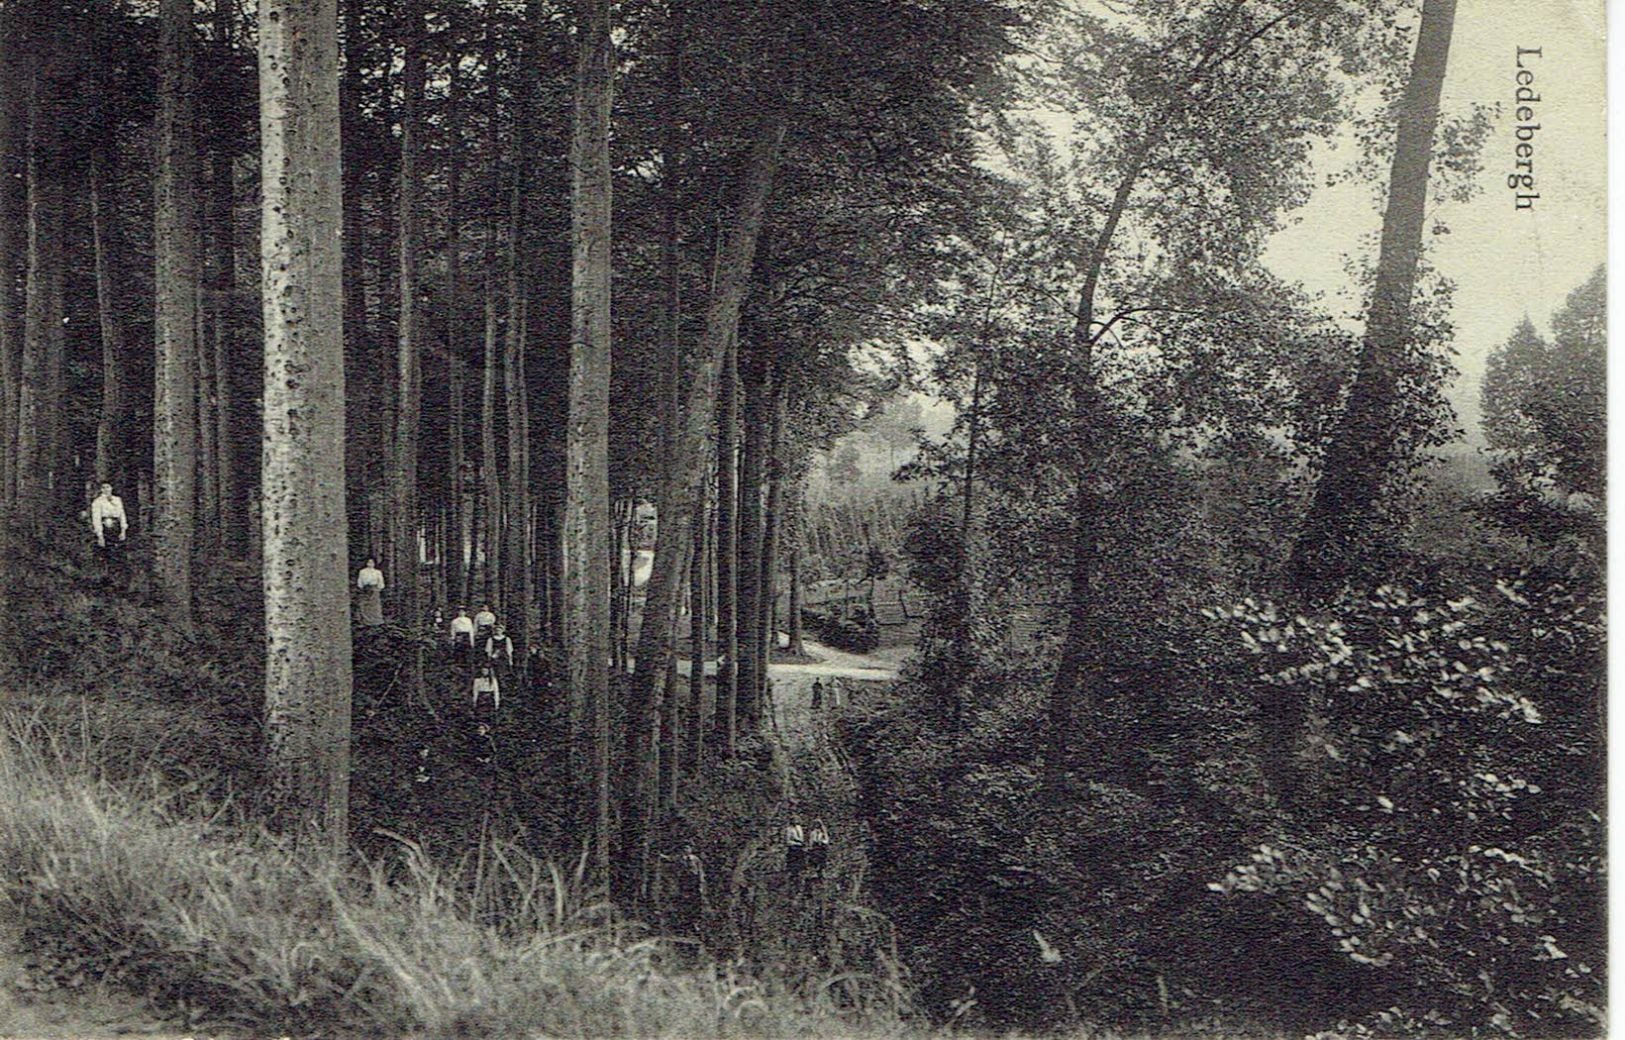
[
  {"x": 795, "y": 848},
  {"x": 818, "y": 848},
  {"x": 817, "y": 694}
]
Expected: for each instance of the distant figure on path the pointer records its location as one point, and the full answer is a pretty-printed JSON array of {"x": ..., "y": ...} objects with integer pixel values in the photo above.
[
  {"x": 817, "y": 694},
  {"x": 837, "y": 693},
  {"x": 106, "y": 519},
  {"x": 484, "y": 622},
  {"x": 370, "y": 580},
  {"x": 818, "y": 848},
  {"x": 462, "y": 636},
  {"x": 486, "y": 684},
  {"x": 795, "y": 847}
]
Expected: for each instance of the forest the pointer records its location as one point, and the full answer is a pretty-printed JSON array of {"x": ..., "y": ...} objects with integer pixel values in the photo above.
[{"x": 812, "y": 518}]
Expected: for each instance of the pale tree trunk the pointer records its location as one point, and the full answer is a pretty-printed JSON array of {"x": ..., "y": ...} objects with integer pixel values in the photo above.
[
  {"x": 682, "y": 485},
  {"x": 586, "y": 511},
  {"x": 307, "y": 622},
  {"x": 516, "y": 575},
  {"x": 34, "y": 404},
  {"x": 490, "y": 499},
  {"x": 403, "y": 513},
  {"x": 175, "y": 247},
  {"x": 110, "y": 422},
  {"x": 1343, "y": 534}
]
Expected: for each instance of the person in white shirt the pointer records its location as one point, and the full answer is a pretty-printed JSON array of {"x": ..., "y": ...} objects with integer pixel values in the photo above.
[
  {"x": 484, "y": 622},
  {"x": 370, "y": 580},
  {"x": 462, "y": 635},
  {"x": 486, "y": 683},
  {"x": 107, "y": 519}
]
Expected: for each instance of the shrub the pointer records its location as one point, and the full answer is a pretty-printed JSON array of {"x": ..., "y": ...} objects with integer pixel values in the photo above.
[{"x": 1448, "y": 846}]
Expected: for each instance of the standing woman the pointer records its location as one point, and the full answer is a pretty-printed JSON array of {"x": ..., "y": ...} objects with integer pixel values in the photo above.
[{"x": 370, "y": 580}]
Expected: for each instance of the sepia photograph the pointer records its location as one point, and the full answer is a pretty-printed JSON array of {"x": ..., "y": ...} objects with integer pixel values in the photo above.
[{"x": 845, "y": 519}]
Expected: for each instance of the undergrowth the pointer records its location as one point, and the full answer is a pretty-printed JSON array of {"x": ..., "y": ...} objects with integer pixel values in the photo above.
[{"x": 184, "y": 900}]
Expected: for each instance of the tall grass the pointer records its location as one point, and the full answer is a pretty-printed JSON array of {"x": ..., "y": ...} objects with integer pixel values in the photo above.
[{"x": 192, "y": 905}]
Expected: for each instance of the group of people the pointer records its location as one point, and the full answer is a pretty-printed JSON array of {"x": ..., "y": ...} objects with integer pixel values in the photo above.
[
  {"x": 481, "y": 643},
  {"x": 834, "y": 693},
  {"x": 806, "y": 852}
]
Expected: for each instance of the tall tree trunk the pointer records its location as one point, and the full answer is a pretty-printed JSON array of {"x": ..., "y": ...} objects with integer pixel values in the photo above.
[
  {"x": 682, "y": 484},
  {"x": 491, "y": 481},
  {"x": 727, "y": 550},
  {"x": 752, "y": 471},
  {"x": 772, "y": 522},
  {"x": 15, "y": 88},
  {"x": 307, "y": 623},
  {"x": 515, "y": 574},
  {"x": 403, "y": 513},
  {"x": 110, "y": 422},
  {"x": 699, "y": 625},
  {"x": 452, "y": 565},
  {"x": 175, "y": 245},
  {"x": 230, "y": 487},
  {"x": 1344, "y": 534},
  {"x": 364, "y": 403},
  {"x": 208, "y": 497},
  {"x": 798, "y": 537},
  {"x": 586, "y": 512}
]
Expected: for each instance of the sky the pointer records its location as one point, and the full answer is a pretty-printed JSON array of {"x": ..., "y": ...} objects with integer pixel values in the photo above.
[{"x": 1505, "y": 262}]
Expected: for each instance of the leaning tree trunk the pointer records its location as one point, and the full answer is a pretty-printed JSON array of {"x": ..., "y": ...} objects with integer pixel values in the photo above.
[
  {"x": 307, "y": 623},
  {"x": 683, "y": 481},
  {"x": 1344, "y": 534},
  {"x": 586, "y": 510},
  {"x": 110, "y": 421},
  {"x": 175, "y": 247}
]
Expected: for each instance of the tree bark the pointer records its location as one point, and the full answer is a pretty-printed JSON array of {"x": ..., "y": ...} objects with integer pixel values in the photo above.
[
  {"x": 699, "y": 624},
  {"x": 586, "y": 512},
  {"x": 683, "y": 481},
  {"x": 110, "y": 422},
  {"x": 768, "y": 638},
  {"x": 175, "y": 246},
  {"x": 452, "y": 561},
  {"x": 364, "y": 403},
  {"x": 1343, "y": 535},
  {"x": 307, "y": 675},
  {"x": 230, "y": 487},
  {"x": 752, "y": 472},
  {"x": 15, "y": 87},
  {"x": 727, "y": 551}
]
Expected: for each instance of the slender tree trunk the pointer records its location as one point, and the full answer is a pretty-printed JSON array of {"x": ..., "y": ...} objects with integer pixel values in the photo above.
[
  {"x": 683, "y": 481},
  {"x": 208, "y": 497},
  {"x": 798, "y": 536},
  {"x": 586, "y": 514},
  {"x": 699, "y": 624},
  {"x": 1344, "y": 534},
  {"x": 491, "y": 482},
  {"x": 307, "y": 675},
  {"x": 772, "y": 523},
  {"x": 515, "y": 574},
  {"x": 15, "y": 88},
  {"x": 176, "y": 287},
  {"x": 364, "y": 404},
  {"x": 230, "y": 487},
  {"x": 452, "y": 563},
  {"x": 752, "y": 471},
  {"x": 403, "y": 514},
  {"x": 110, "y": 423},
  {"x": 727, "y": 552}
]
